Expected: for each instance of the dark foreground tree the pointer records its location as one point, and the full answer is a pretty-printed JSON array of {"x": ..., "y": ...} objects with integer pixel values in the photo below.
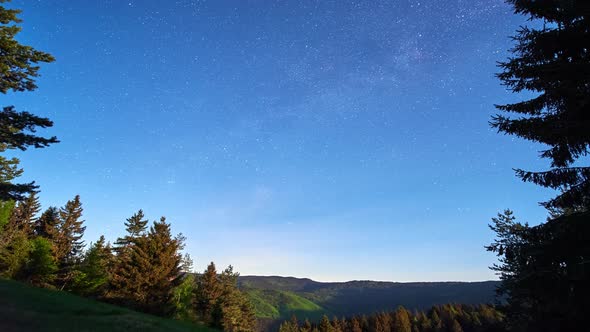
[
  {"x": 553, "y": 62},
  {"x": 544, "y": 271},
  {"x": 18, "y": 70}
]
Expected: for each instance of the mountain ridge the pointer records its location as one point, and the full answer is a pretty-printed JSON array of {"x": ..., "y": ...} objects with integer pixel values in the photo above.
[{"x": 276, "y": 298}]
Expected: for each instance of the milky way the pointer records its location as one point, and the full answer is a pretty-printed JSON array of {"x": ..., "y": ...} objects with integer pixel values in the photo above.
[{"x": 305, "y": 136}]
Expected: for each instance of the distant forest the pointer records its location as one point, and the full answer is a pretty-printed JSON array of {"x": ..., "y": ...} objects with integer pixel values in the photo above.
[
  {"x": 544, "y": 269},
  {"x": 449, "y": 317}
]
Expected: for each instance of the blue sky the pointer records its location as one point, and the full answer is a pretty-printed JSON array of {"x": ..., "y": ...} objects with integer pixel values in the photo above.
[{"x": 334, "y": 140}]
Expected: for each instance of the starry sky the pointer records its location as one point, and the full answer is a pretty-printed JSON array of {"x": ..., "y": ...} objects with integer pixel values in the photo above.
[{"x": 334, "y": 140}]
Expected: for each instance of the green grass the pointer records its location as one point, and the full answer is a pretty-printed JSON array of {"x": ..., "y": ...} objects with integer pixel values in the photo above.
[
  {"x": 276, "y": 304},
  {"x": 25, "y": 308}
]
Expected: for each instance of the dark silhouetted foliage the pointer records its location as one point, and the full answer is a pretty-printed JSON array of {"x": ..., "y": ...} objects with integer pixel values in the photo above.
[
  {"x": 553, "y": 62},
  {"x": 18, "y": 70}
]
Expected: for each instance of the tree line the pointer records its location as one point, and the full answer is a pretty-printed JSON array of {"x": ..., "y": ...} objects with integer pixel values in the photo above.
[
  {"x": 544, "y": 269},
  {"x": 439, "y": 318},
  {"x": 144, "y": 270}
]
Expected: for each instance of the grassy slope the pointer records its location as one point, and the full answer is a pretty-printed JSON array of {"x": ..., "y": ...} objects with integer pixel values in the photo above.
[
  {"x": 24, "y": 308},
  {"x": 276, "y": 304}
]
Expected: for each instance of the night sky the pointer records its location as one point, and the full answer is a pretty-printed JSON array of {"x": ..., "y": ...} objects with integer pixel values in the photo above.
[{"x": 334, "y": 140}]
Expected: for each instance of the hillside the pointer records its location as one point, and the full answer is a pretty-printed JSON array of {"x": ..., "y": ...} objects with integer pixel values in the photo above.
[
  {"x": 24, "y": 308},
  {"x": 279, "y": 297}
]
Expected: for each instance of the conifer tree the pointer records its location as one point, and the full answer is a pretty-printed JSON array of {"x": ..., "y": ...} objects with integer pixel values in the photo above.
[
  {"x": 183, "y": 298},
  {"x": 148, "y": 278},
  {"x": 401, "y": 321},
  {"x": 294, "y": 323},
  {"x": 336, "y": 325},
  {"x": 14, "y": 252},
  {"x": 136, "y": 227},
  {"x": 24, "y": 214},
  {"x": 208, "y": 292},
  {"x": 41, "y": 267},
  {"x": 436, "y": 321},
  {"x": 286, "y": 326},
  {"x": 15, "y": 247},
  {"x": 355, "y": 325},
  {"x": 18, "y": 70},
  {"x": 186, "y": 264},
  {"x": 552, "y": 61},
  {"x": 232, "y": 310},
  {"x": 455, "y": 326},
  {"x": 6, "y": 208},
  {"x": 325, "y": 325},
  {"x": 543, "y": 267},
  {"x": 423, "y": 322},
  {"x": 18, "y": 64},
  {"x": 306, "y": 326},
  {"x": 95, "y": 269},
  {"x": 68, "y": 243},
  {"x": 45, "y": 225}
]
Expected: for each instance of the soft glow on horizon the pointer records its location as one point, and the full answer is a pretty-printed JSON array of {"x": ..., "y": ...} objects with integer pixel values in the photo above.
[{"x": 335, "y": 141}]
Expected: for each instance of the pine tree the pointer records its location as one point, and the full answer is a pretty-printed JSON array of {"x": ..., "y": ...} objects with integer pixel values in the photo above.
[
  {"x": 545, "y": 265},
  {"x": 24, "y": 214},
  {"x": 14, "y": 253},
  {"x": 336, "y": 326},
  {"x": 41, "y": 267},
  {"x": 325, "y": 325},
  {"x": 286, "y": 326},
  {"x": 147, "y": 280},
  {"x": 6, "y": 208},
  {"x": 136, "y": 227},
  {"x": 232, "y": 311},
  {"x": 186, "y": 264},
  {"x": 456, "y": 327},
  {"x": 15, "y": 246},
  {"x": 291, "y": 325},
  {"x": 45, "y": 226},
  {"x": 436, "y": 322},
  {"x": 208, "y": 292},
  {"x": 307, "y": 326},
  {"x": 69, "y": 232},
  {"x": 294, "y": 323},
  {"x": 401, "y": 322},
  {"x": 183, "y": 297},
  {"x": 355, "y": 325},
  {"x": 18, "y": 64},
  {"x": 67, "y": 241},
  {"x": 553, "y": 62},
  {"x": 18, "y": 70},
  {"x": 423, "y": 322},
  {"x": 365, "y": 325},
  {"x": 94, "y": 270}
]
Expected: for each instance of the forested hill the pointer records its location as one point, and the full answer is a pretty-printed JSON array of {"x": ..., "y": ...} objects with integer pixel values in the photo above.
[{"x": 279, "y": 297}]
